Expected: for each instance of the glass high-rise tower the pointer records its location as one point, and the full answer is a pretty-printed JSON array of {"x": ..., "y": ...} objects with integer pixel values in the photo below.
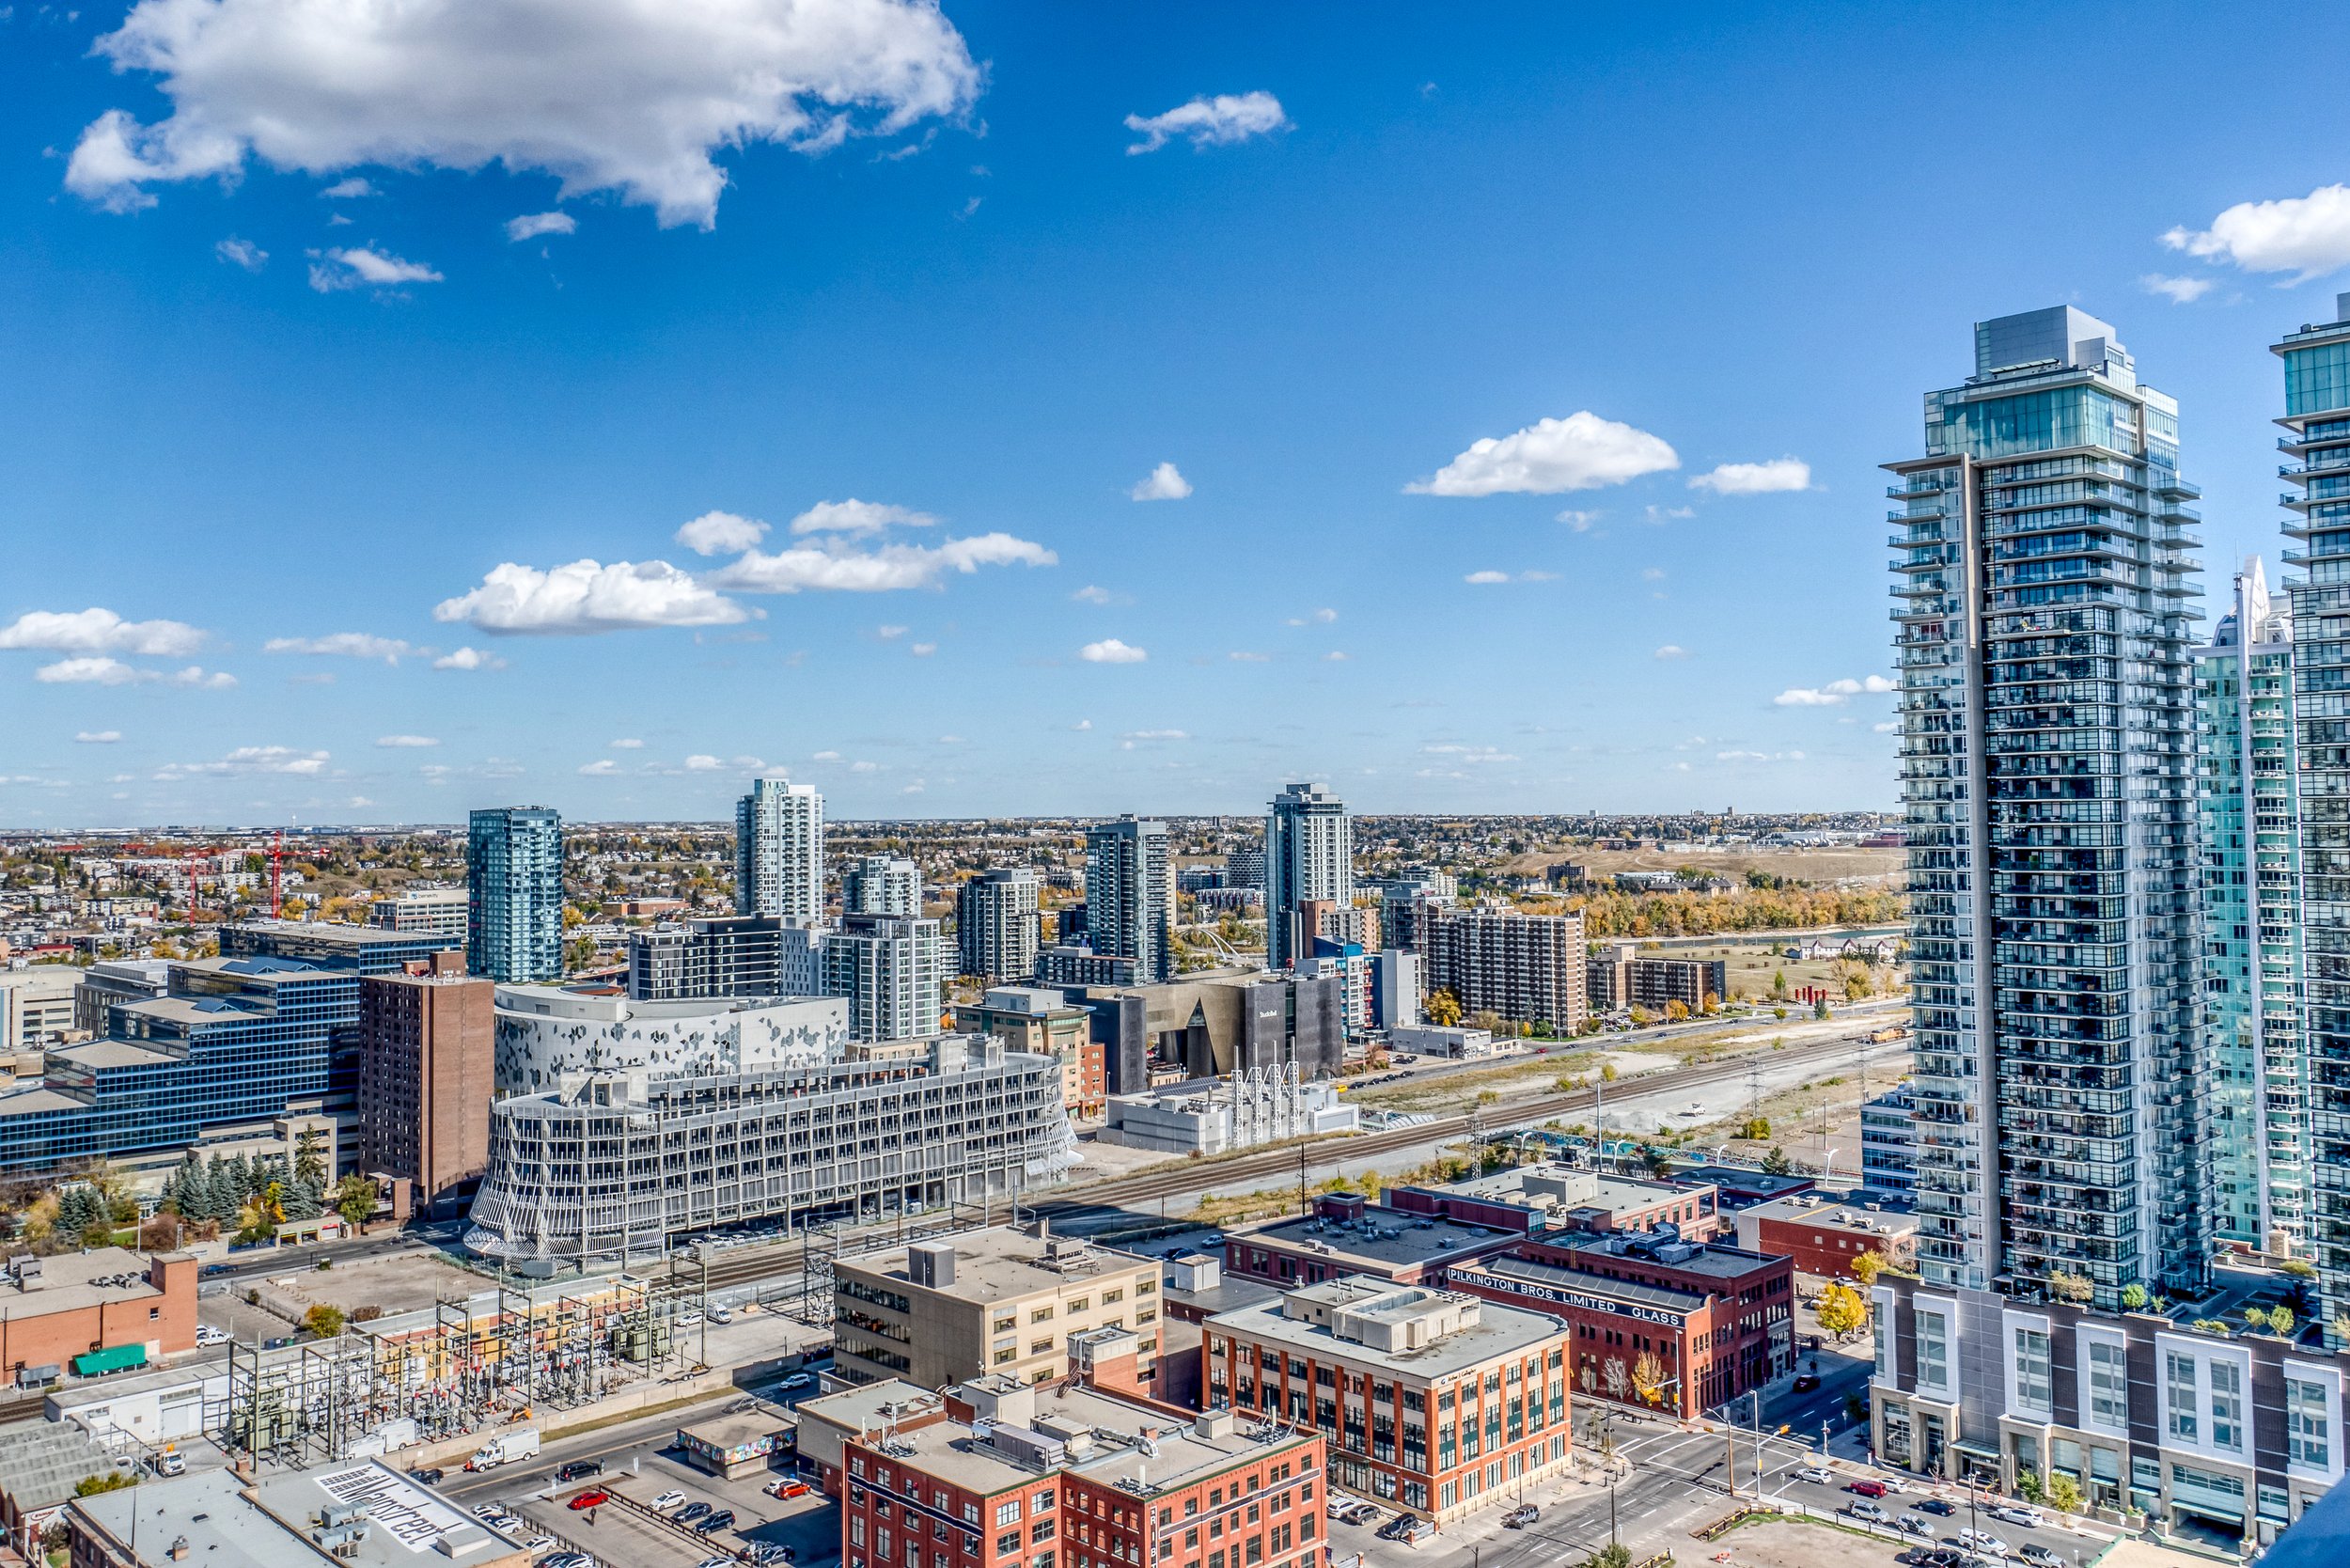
[
  {"x": 2043, "y": 611},
  {"x": 1309, "y": 855},
  {"x": 1130, "y": 895},
  {"x": 515, "y": 894},
  {"x": 779, "y": 851},
  {"x": 2246, "y": 806},
  {"x": 2317, "y": 425}
]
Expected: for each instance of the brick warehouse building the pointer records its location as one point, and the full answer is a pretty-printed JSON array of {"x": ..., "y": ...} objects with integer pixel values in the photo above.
[
  {"x": 1718, "y": 1319},
  {"x": 428, "y": 1041},
  {"x": 1346, "y": 1237},
  {"x": 1018, "y": 1476},
  {"x": 1430, "y": 1399}
]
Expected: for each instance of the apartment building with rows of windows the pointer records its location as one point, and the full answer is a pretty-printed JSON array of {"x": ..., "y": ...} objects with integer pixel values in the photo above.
[
  {"x": 1015, "y": 1476},
  {"x": 999, "y": 1301},
  {"x": 1433, "y": 1400}
]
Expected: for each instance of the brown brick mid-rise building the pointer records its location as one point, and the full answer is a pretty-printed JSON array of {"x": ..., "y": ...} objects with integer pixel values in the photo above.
[{"x": 427, "y": 1041}]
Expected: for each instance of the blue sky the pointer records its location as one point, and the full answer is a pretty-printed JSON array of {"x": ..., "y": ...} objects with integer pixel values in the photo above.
[{"x": 276, "y": 373}]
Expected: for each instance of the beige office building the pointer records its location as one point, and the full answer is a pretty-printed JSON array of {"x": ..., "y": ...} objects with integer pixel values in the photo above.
[{"x": 1000, "y": 1300}]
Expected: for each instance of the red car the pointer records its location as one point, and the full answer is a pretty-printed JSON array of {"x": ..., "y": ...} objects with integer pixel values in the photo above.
[
  {"x": 786, "y": 1488},
  {"x": 1858, "y": 1488},
  {"x": 595, "y": 1495}
]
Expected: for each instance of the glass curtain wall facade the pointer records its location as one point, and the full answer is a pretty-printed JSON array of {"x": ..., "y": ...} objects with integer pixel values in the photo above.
[
  {"x": 515, "y": 894},
  {"x": 1309, "y": 854},
  {"x": 2317, "y": 440},
  {"x": 2043, "y": 610},
  {"x": 2247, "y": 815},
  {"x": 779, "y": 851},
  {"x": 1130, "y": 895}
]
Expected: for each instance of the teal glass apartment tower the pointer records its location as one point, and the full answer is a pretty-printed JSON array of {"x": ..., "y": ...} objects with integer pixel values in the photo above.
[
  {"x": 1130, "y": 895},
  {"x": 2043, "y": 609},
  {"x": 1308, "y": 855},
  {"x": 2248, "y": 825},
  {"x": 514, "y": 893},
  {"x": 2317, "y": 438}
]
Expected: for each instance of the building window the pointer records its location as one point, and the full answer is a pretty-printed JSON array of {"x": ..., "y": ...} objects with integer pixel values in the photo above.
[
  {"x": 2227, "y": 1406},
  {"x": 2179, "y": 1378},
  {"x": 1883, "y": 1330},
  {"x": 1933, "y": 1350},
  {"x": 2108, "y": 1385},
  {"x": 2305, "y": 1440},
  {"x": 2035, "y": 1390},
  {"x": 1008, "y": 1512}
]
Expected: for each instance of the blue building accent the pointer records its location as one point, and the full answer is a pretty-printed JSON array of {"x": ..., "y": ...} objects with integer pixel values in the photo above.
[{"x": 515, "y": 894}]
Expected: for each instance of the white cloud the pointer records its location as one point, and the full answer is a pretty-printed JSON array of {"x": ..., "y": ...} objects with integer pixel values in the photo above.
[
  {"x": 586, "y": 596},
  {"x": 1835, "y": 693},
  {"x": 1245, "y": 658},
  {"x": 1092, "y": 595},
  {"x": 344, "y": 190},
  {"x": 1579, "y": 521},
  {"x": 701, "y": 761},
  {"x": 241, "y": 253},
  {"x": 532, "y": 225},
  {"x": 1470, "y": 753},
  {"x": 98, "y": 737},
  {"x": 1652, "y": 574},
  {"x": 603, "y": 767},
  {"x": 1890, "y": 727},
  {"x": 2178, "y": 291},
  {"x": 923, "y": 649},
  {"x": 627, "y": 744},
  {"x": 1163, "y": 484},
  {"x": 406, "y": 740},
  {"x": 251, "y": 759},
  {"x": 890, "y": 633},
  {"x": 1109, "y": 651},
  {"x": 603, "y": 94},
  {"x": 1334, "y": 656},
  {"x": 347, "y": 645},
  {"x": 97, "y": 630},
  {"x": 1672, "y": 650},
  {"x": 1806, "y": 696},
  {"x": 854, "y": 516},
  {"x": 1666, "y": 514},
  {"x": 362, "y": 268},
  {"x": 2307, "y": 236},
  {"x": 825, "y": 757},
  {"x": 100, "y": 670},
  {"x": 1216, "y": 121},
  {"x": 1582, "y": 451},
  {"x": 836, "y": 566},
  {"x": 721, "y": 533},
  {"x": 1325, "y": 617},
  {"x": 1486, "y": 578},
  {"x": 1758, "y": 757},
  {"x": 468, "y": 658},
  {"x": 1755, "y": 478},
  {"x": 862, "y": 766}
]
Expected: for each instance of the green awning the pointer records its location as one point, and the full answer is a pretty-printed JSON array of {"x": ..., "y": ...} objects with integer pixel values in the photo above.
[{"x": 113, "y": 1359}]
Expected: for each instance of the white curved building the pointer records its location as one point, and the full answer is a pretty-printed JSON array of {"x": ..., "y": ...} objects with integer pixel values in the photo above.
[{"x": 546, "y": 1035}]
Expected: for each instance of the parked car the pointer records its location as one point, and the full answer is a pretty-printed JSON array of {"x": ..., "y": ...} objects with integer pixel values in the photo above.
[
  {"x": 668, "y": 1500},
  {"x": 1937, "y": 1557},
  {"x": 2016, "y": 1514},
  {"x": 488, "y": 1509},
  {"x": 539, "y": 1545},
  {"x": 208, "y": 1270},
  {"x": 1936, "y": 1505},
  {"x": 428, "y": 1477},
  {"x": 789, "y": 1486},
  {"x": 2042, "y": 1557},
  {"x": 1806, "y": 1382},
  {"x": 1410, "y": 1528},
  {"x": 580, "y": 1469},
  {"x": 1338, "y": 1504},
  {"x": 718, "y": 1521},
  {"x": 692, "y": 1512},
  {"x": 1867, "y": 1488},
  {"x": 798, "y": 1380},
  {"x": 1520, "y": 1517},
  {"x": 207, "y": 1336},
  {"x": 590, "y": 1498},
  {"x": 568, "y": 1559},
  {"x": 1818, "y": 1475},
  {"x": 1361, "y": 1513},
  {"x": 1909, "y": 1524},
  {"x": 715, "y": 1562},
  {"x": 1982, "y": 1541},
  {"x": 1865, "y": 1510},
  {"x": 685, "y": 1320}
]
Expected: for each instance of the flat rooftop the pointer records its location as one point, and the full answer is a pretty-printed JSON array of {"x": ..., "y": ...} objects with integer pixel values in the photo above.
[
  {"x": 95, "y": 1054},
  {"x": 1811, "y": 1209},
  {"x": 1549, "y": 1185},
  {"x": 1738, "y": 1179},
  {"x": 72, "y": 1280},
  {"x": 1384, "y": 1238},
  {"x": 1108, "y": 1453},
  {"x": 228, "y": 1525},
  {"x": 1525, "y": 1271},
  {"x": 1500, "y": 1331},
  {"x": 1711, "y": 1259},
  {"x": 1001, "y": 1263}
]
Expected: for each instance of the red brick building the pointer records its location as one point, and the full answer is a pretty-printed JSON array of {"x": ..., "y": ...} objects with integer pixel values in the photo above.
[
  {"x": 427, "y": 1070},
  {"x": 84, "y": 1304},
  {"x": 1346, "y": 1236},
  {"x": 1717, "y": 1319},
  {"x": 1430, "y": 1399},
  {"x": 1824, "y": 1236},
  {"x": 1068, "y": 1476},
  {"x": 1535, "y": 1199}
]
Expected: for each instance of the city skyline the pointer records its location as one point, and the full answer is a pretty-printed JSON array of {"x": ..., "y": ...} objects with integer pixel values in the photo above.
[{"x": 922, "y": 411}]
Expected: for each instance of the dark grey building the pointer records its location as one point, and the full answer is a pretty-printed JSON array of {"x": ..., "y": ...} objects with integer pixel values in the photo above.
[{"x": 1210, "y": 1025}]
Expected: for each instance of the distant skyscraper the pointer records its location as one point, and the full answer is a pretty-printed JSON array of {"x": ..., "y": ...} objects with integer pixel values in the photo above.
[
  {"x": 1309, "y": 855},
  {"x": 515, "y": 894},
  {"x": 2317, "y": 413},
  {"x": 893, "y": 971},
  {"x": 779, "y": 851},
  {"x": 881, "y": 885},
  {"x": 2048, "y": 757},
  {"x": 1129, "y": 894},
  {"x": 2249, "y": 808},
  {"x": 996, "y": 924}
]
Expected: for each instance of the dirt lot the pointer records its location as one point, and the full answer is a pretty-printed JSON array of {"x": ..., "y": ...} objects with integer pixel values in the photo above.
[
  {"x": 401, "y": 1282},
  {"x": 1793, "y": 1545},
  {"x": 1818, "y": 866}
]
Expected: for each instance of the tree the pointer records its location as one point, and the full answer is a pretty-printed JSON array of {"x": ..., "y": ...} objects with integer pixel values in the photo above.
[
  {"x": 1755, "y": 1128},
  {"x": 1614, "y": 1555},
  {"x": 1443, "y": 1009},
  {"x": 1819, "y": 1009},
  {"x": 354, "y": 1199},
  {"x": 1648, "y": 1377},
  {"x": 2072, "y": 1289},
  {"x": 2064, "y": 1492},
  {"x": 310, "y": 1161},
  {"x": 1842, "y": 1312},
  {"x": 1779, "y": 986},
  {"x": 1616, "y": 1377},
  {"x": 322, "y": 1321},
  {"x": 1641, "y": 1017},
  {"x": 1775, "y": 1162},
  {"x": 1868, "y": 1265},
  {"x": 2028, "y": 1486},
  {"x": 109, "y": 1481},
  {"x": 2134, "y": 1298},
  {"x": 1676, "y": 1011}
]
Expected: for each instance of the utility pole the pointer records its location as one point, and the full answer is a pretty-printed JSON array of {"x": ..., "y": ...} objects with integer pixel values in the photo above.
[{"x": 1304, "y": 1207}]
